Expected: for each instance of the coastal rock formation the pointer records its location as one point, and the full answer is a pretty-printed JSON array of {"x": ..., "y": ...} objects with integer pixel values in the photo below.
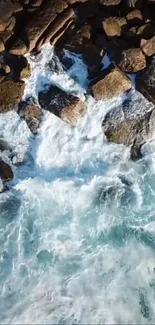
[
  {"x": 132, "y": 60},
  {"x": 11, "y": 92},
  {"x": 31, "y": 113},
  {"x": 114, "y": 83},
  {"x": 68, "y": 107},
  {"x": 131, "y": 123}
]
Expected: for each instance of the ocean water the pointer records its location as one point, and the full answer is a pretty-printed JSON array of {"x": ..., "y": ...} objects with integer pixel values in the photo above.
[{"x": 77, "y": 227}]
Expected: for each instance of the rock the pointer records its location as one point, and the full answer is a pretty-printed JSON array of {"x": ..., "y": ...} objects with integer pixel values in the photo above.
[
  {"x": 101, "y": 42},
  {"x": 31, "y": 114},
  {"x": 26, "y": 72},
  {"x": 5, "y": 146},
  {"x": 4, "y": 36},
  {"x": 85, "y": 31},
  {"x": 110, "y": 2},
  {"x": 146, "y": 31},
  {"x": 148, "y": 46},
  {"x": 58, "y": 24},
  {"x": 115, "y": 83},
  {"x": 115, "y": 47},
  {"x": 59, "y": 36},
  {"x": 131, "y": 123},
  {"x": 93, "y": 58},
  {"x": 11, "y": 93},
  {"x": 40, "y": 22},
  {"x": 6, "y": 173},
  {"x": 68, "y": 107},
  {"x": 145, "y": 81},
  {"x": 18, "y": 47},
  {"x": 134, "y": 17},
  {"x": 114, "y": 26},
  {"x": 132, "y": 60},
  {"x": 2, "y": 47},
  {"x": 17, "y": 63}
]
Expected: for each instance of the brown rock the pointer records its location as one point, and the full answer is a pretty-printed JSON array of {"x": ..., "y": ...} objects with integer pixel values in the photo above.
[
  {"x": 70, "y": 2},
  {"x": 3, "y": 25},
  {"x": 58, "y": 37},
  {"x": 148, "y": 46},
  {"x": 6, "y": 173},
  {"x": 26, "y": 72},
  {"x": 58, "y": 24},
  {"x": 114, "y": 26},
  {"x": 68, "y": 107},
  {"x": 114, "y": 84},
  {"x": 4, "y": 36},
  {"x": 12, "y": 24},
  {"x": 11, "y": 93},
  {"x": 31, "y": 114},
  {"x": 132, "y": 60},
  {"x": 110, "y": 2},
  {"x": 2, "y": 47},
  {"x": 134, "y": 17},
  {"x": 85, "y": 31}
]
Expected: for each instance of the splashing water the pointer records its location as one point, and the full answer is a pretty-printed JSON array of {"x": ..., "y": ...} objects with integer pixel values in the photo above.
[{"x": 77, "y": 228}]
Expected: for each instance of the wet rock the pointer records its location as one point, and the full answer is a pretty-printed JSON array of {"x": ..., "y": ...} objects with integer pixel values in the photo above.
[
  {"x": 131, "y": 123},
  {"x": 110, "y": 2},
  {"x": 148, "y": 46},
  {"x": 66, "y": 62},
  {"x": 145, "y": 81},
  {"x": 135, "y": 17},
  {"x": 11, "y": 93},
  {"x": 26, "y": 72},
  {"x": 114, "y": 26},
  {"x": 68, "y": 107},
  {"x": 6, "y": 173},
  {"x": 115, "y": 83},
  {"x": 146, "y": 31},
  {"x": 18, "y": 47},
  {"x": 31, "y": 114},
  {"x": 4, "y": 145},
  {"x": 132, "y": 60}
]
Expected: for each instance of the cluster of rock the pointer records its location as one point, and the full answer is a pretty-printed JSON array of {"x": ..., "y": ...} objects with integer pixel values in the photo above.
[{"x": 122, "y": 29}]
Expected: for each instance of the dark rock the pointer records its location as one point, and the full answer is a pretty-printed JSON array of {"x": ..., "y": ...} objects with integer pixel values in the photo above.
[
  {"x": 11, "y": 93},
  {"x": 110, "y": 2},
  {"x": 31, "y": 114},
  {"x": 6, "y": 173},
  {"x": 134, "y": 17},
  {"x": 68, "y": 107},
  {"x": 139, "y": 4},
  {"x": 145, "y": 81},
  {"x": 132, "y": 60},
  {"x": 115, "y": 47},
  {"x": 115, "y": 83},
  {"x": 4, "y": 145},
  {"x": 131, "y": 123},
  {"x": 146, "y": 31}
]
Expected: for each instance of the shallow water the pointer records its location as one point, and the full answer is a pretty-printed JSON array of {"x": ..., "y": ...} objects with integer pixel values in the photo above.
[{"x": 77, "y": 228}]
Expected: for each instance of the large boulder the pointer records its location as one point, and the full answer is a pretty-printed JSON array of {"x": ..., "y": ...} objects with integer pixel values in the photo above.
[
  {"x": 6, "y": 173},
  {"x": 11, "y": 93},
  {"x": 66, "y": 106},
  {"x": 31, "y": 113},
  {"x": 114, "y": 83},
  {"x": 114, "y": 26},
  {"x": 148, "y": 46},
  {"x": 132, "y": 60},
  {"x": 145, "y": 81},
  {"x": 131, "y": 123}
]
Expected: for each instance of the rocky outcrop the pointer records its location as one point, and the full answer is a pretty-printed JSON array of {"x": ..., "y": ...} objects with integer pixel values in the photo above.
[
  {"x": 68, "y": 107},
  {"x": 11, "y": 92},
  {"x": 132, "y": 60},
  {"x": 114, "y": 83},
  {"x": 131, "y": 123}
]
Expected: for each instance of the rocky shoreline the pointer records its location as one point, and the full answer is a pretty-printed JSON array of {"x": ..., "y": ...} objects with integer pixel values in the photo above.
[{"x": 124, "y": 30}]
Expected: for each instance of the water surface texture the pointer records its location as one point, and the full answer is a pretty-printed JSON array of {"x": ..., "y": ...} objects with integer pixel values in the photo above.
[{"x": 77, "y": 228}]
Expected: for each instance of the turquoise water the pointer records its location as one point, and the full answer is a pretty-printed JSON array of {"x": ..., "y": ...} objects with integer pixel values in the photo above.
[{"x": 77, "y": 228}]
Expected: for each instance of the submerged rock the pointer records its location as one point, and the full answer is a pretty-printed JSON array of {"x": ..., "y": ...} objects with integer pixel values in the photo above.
[
  {"x": 115, "y": 83},
  {"x": 31, "y": 114},
  {"x": 131, "y": 123},
  {"x": 66, "y": 106},
  {"x": 6, "y": 173}
]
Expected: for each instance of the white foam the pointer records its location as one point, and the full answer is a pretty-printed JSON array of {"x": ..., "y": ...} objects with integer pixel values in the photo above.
[{"x": 75, "y": 251}]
